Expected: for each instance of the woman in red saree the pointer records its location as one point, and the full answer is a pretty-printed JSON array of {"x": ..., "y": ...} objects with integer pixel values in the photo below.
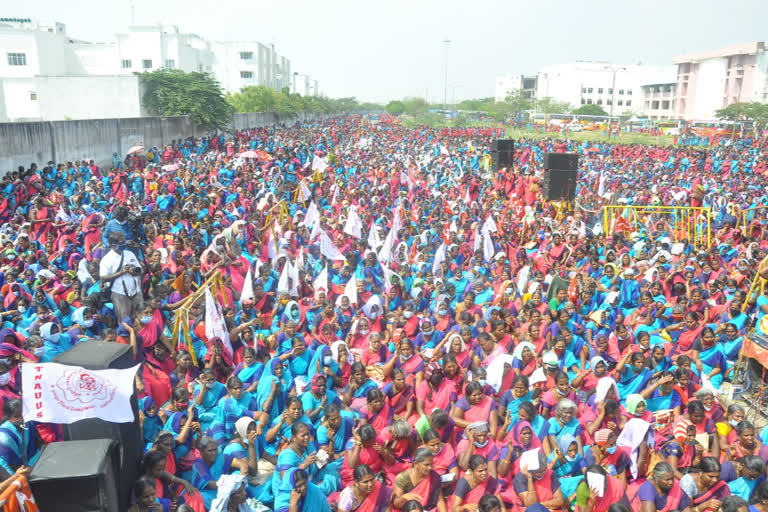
[
  {"x": 690, "y": 329},
  {"x": 434, "y": 392},
  {"x": 589, "y": 500},
  {"x": 474, "y": 485},
  {"x": 366, "y": 447},
  {"x": 366, "y": 494},
  {"x": 476, "y": 406},
  {"x": 705, "y": 487},
  {"x": 420, "y": 483},
  {"x": 530, "y": 487},
  {"x": 399, "y": 395},
  {"x": 444, "y": 456},
  {"x": 377, "y": 411}
]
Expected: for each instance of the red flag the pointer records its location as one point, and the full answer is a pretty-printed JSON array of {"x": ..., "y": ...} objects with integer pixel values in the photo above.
[{"x": 622, "y": 224}]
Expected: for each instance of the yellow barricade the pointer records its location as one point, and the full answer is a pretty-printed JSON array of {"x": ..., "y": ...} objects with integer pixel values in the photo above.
[{"x": 691, "y": 223}]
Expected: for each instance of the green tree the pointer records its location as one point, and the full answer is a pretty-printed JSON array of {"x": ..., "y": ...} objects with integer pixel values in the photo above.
[
  {"x": 415, "y": 105},
  {"x": 590, "y": 110},
  {"x": 518, "y": 101},
  {"x": 736, "y": 112},
  {"x": 254, "y": 99},
  {"x": 395, "y": 107},
  {"x": 548, "y": 106},
  {"x": 172, "y": 92}
]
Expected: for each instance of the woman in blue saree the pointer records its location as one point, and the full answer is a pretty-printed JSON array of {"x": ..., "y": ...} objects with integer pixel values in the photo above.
[
  {"x": 207, "y": 469},
  {"x": 245, "y": 447},
  {"x": 709, "y": 357},
  {"x": 564, "y": 422},
  {"x": 568, "y": 464},
  {"x": 183, "y": 427},
  {"x": 299, "y": 362},
  {"x": 231, "y": 408},
  {"x": 300, "y": 453},
  {"x": 632, "y": 374},
  {"x": 334, "y": 433},
  {"x": 278, "y": 434},
  {"x": 310, "y": 498},
  {"x": 661, "y": 395},
  {"x": 732, "y": 342},
  {"x": 151, "y": 424},
  {"x": 512, "y": 399},
  {"x": 314, "y": 399},
  {"x": 18, "y": 446},
  {"x": 357, "y": 388},
  {"x": 208, "y": 392},
  {"x": 273, "y": 389},
  {"x": 250, "y": 370},
  {"x": 323, "y": 363}
]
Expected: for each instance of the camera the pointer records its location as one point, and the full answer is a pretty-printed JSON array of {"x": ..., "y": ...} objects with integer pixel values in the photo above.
[{"x": 136, "y": 271}]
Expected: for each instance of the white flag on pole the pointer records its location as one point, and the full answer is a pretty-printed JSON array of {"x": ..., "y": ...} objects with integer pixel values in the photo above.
[
  {"x": 293, "y": 273},
  {"x": 329, "y": 250},
  {"x": 316, "y": 230},
  {"x": 385, "y": 254},
  {"x": 283, "y": 284},
  {"x": 215, "y": 327},
  {"x": 439, "y": 258},
  {"x": 350, "y": 290},
  {"x": 321, "y": 283},
  {"x": 247, "y": 292},
  {"x": 488, "y": 249},
  {"x": 354, "y": 226},
  {"x": 304, "y": 192},
  {"x": 476, "y": 243},
  {"x": 312, "y": 215},
  {"x": 397, "y": 224},
  {"x": 374, "y": 242},
  {"x": 59, "y": 393},
  {"x": 490, "y": 225}
]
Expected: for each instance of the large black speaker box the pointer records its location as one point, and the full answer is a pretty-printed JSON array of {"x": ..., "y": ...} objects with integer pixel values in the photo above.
[
  {"x": 503, "y": 145},
  {"x": 77, "y": 476},
  {"x": 559, "y": 185},
  {"x": 562, "y": 161},
  {"x": 502, "y": 153},
  {"x": 100, "y": 355}
]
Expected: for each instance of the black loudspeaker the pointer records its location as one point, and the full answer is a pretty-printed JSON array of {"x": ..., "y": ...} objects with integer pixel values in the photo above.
[
  {"x": 502, "y": 153},
  {"x": 503, "y": 145},
  {"x": 559, "y": 185},
  {"x": 77, "y": 476},
  {"x": 561, "y": 161},
  {"x": 100, "y": 355}
]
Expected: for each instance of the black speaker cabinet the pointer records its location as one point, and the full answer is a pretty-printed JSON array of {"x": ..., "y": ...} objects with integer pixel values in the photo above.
[
  {"x": 562, "y": 161},
  {"x": 503, "y": 145},
  {"x": 559, "y": 185},
  {"x": 100, "y": 355},
  {"x": 77, "y": 476}
]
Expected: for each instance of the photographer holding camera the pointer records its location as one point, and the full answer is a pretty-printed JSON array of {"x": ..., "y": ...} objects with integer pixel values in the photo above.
[
  {"x": 130, "y": 225},
  {"x": 121, "y": 269}
]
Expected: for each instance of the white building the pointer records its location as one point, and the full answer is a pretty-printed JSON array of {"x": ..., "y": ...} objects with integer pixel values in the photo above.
[
  {"x": 658, "y": 101},
  {"x": 239, "y": 64},
  {"x": 47, "y": 75},
  {"x": 709, "y": 81},
  {"x": 599, "y": 83},
  {"x": 509, "y": 83}
]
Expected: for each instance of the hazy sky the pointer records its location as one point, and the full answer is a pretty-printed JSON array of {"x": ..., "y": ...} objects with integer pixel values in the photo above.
[{"x": 383, "y": 49}]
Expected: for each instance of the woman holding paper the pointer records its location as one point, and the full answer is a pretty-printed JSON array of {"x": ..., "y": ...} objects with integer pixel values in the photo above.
[
  {"x": 535, "y": 483},
  {"x": 598, "y": 491}
]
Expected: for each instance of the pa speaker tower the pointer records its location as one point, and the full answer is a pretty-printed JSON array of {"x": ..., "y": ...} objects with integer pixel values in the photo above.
[
  {"x": 503, "y": 153},
  {"x": 100, "y": 355},
  {"x": 560, "y": 174}
]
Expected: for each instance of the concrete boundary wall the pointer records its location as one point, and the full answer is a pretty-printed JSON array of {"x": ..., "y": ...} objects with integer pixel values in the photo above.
[{"x": 98, "y": 139}]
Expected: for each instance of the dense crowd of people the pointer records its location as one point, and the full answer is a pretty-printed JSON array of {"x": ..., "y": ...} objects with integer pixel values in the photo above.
[{"x": 406, "y": 327}]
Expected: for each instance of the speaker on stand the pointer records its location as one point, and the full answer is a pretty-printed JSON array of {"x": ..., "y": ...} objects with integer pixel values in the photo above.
[
  {"x": 101, "y": 355},
  {"x": 502, "y": 153},
  {"x": 560, "y": 175}
]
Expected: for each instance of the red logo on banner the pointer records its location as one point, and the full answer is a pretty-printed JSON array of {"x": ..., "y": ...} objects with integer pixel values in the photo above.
[{"x": 79, "y": 390}]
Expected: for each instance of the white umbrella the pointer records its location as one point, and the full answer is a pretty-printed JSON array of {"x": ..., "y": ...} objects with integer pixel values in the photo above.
[{"x": 134, "y": 149}]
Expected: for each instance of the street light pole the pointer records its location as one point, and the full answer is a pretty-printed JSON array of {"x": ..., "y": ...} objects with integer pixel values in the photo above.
[
  {"x": 613, "y": 94},
  {"x": 446, "y": 42}
]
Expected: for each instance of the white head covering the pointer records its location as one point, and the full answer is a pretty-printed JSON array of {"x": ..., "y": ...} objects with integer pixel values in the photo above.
[
  {"x": 518, "y": 353},
  {"x": 603, "y": 386},
  {"x": 496, "y": 370},
  {"x": 228, "y": 484},
  {"x": 335, "y": 351},
  {"x": 633, "y": 435},
  {"x": 241, "y": 426}
]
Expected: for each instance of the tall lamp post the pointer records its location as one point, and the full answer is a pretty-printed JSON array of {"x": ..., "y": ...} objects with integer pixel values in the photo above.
[
  {"x": 446, "y": 42},
  {"x": 613, "y": 93}
]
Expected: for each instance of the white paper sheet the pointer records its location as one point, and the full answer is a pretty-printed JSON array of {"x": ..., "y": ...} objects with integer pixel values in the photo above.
[
  {"x": 530, "y": 460},
  {"x": 596, "y": 482}
]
